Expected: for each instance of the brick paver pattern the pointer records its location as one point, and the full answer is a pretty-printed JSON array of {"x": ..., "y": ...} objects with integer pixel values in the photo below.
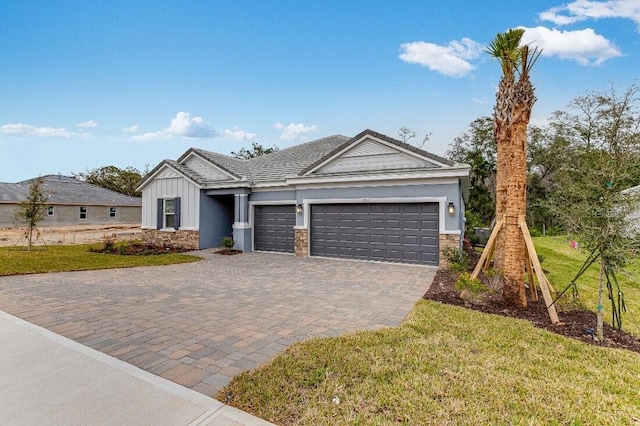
[{"x": 200, "y": 324}]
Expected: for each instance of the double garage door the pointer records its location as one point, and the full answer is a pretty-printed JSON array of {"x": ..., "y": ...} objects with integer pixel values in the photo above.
[{"x": 391, "y": 232}]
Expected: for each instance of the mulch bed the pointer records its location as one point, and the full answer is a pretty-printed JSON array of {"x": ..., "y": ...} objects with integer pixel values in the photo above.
[
  {"x": 136, "y": 248},
  {"x": 228, "y": 252},
  {"x": 576, "y": 324}
]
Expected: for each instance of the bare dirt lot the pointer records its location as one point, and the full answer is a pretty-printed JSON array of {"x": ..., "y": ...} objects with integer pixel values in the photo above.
[{"x": 77, "y": 234}]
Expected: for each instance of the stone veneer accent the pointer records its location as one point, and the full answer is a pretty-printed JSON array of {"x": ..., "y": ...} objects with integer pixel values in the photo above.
[
  {"x": 186, "y": 239},
  {"x": 446, "y": 241},
  {"x": 302, "y": 242}
]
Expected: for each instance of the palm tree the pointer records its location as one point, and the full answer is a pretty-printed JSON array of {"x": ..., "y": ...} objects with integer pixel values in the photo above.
[
  {"x": 514, "y": 102},
  {"x": 505, "y": 49}
]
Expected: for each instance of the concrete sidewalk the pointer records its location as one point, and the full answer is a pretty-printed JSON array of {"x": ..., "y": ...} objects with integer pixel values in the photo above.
[{"x": 48, "y": 379}]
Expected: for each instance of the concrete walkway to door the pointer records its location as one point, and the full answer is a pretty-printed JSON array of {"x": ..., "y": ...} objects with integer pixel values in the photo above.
[{"x": 200, "y": 324}]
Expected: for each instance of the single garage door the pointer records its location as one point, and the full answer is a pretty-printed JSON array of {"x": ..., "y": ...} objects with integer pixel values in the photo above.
[
  {"x": 391, "y": 232},
  {"x": 273, "y": 228}
]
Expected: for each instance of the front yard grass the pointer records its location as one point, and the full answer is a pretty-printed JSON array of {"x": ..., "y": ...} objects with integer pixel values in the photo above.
[
  {"x": 444, "y": 365},
  {"x": 562, "y": 263},
  {"x": 18, "y": 261},
  {"x": 450, "y": 365}
]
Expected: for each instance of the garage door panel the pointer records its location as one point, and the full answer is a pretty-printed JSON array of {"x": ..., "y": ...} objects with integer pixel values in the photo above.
[
  {"x": 396, "y": 232},
  {"x": 394, "y": 239},
  {"x": 392, "y": 224},
  {"x": 274, "y": 228},
  {"x": 376, "y": 224}
]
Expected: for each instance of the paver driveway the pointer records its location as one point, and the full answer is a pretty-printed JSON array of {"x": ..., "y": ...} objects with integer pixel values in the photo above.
[{"x": 200, "y": 324}]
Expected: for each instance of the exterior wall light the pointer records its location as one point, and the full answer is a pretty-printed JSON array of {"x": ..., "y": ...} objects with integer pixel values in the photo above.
[
  {"x": 299, "y": 208},
  {"x": 451, "y": 208}
]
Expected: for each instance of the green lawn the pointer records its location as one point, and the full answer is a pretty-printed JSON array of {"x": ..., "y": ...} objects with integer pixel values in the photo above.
[
  {"x": 563, "y": 263},
  {"x": 16, "y": 260},
  {"x": 444, "y": 365},
  {"x": 449, "y": 365}
]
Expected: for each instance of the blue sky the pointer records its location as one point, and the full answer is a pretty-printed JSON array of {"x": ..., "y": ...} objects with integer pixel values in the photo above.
[{"x": 87, "y": 83}]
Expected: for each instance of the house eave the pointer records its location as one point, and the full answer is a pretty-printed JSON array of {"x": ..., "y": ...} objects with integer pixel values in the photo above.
[{"x": 457, "y": 172}]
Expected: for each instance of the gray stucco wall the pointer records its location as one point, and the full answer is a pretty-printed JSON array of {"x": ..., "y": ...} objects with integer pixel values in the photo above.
[
  {"x": 450, "y": 191},
  {"x": 272, "y": 196},
  {"x": 65, "y": 215},
  {"x": 216, "y": 219}
]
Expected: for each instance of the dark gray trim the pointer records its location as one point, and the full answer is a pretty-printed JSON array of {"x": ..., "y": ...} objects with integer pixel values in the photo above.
[
  {"x": 176, "y": 213},
  {"x": 160, "y": 214}
]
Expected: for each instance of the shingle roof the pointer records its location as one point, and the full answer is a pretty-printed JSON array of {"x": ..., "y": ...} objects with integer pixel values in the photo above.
[
  {"x": 67, "y": 190},
  {"x": 185, "y": 171},
  {"x": 234, "y": 166},
  {"x": 292, "y": 161}
]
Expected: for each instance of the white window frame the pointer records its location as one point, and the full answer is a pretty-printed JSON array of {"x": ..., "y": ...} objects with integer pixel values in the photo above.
[
  {"x": 112, "y": 212},
  {"x": 86, "y": 214},
  {"x": 51, "y": 211},
  {"x": 165, "y": 213}
]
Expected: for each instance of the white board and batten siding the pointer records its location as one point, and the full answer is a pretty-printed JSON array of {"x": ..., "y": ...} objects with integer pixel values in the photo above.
[
  {"x": 370, "y": 155},
  {"x": 169, "y": 184}
]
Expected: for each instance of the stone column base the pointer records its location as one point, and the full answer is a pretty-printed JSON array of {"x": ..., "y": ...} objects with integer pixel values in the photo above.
[
  {"x": 447, "y": 241},
  {"x": 189, "y": 240},
  {"x": 301, "y": 242}
]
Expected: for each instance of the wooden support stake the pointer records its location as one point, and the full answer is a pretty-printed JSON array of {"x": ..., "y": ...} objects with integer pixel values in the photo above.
[
  {"x": 542, "y": 279},
  {"x": 532, "y": 285},
  {"x": 487, "y": 264},
  {"x": 488, "y": 249}
]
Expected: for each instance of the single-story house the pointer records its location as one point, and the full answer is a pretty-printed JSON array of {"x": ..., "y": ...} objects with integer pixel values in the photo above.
[
  {"x": 369, "y": 197},
  {"x": 71, "y": 202}
]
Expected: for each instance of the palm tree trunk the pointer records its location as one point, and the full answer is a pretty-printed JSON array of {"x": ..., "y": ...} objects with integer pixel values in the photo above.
[
  {"x": 502, "y": 113},
  {"x": 514, "y": 253}
]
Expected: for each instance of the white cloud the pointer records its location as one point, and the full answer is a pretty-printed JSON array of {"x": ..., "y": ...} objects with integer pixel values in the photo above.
[
  {"x": 131, "y": 129},
  {"x": 584, "y": 46},
  {"x": 87, "y": 124},
  {"x": 451, "y": 60},
  {"x": 582, "y": 10},
  {"x": 182, "y": 125},
  {"x": 19, "y": 129},
  {"x": 294, "y": 131},
  {"x": 237, "y": 134}
]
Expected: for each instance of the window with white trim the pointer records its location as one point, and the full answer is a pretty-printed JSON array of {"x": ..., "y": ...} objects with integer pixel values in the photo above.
[
  {"x": 112, "y": 212},
  {"x": 169, "y": 213},
  {"x": 50, "y": 211},
  {"x": 83, "y": 213}
]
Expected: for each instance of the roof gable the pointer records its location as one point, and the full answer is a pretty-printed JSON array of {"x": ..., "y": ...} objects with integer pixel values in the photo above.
[
  {"x": 168, "y": 169},
  {"x": 206, "y": 168},
  {"x": 373, "y": 152}
]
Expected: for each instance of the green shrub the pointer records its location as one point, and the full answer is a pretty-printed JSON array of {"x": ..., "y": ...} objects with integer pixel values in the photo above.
[
  {"x": 228, "y": 243},
  {"x": 535, "y": 232},
  {"x": 474, "y": 285},
  {"x": 457, "y": 258}
]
